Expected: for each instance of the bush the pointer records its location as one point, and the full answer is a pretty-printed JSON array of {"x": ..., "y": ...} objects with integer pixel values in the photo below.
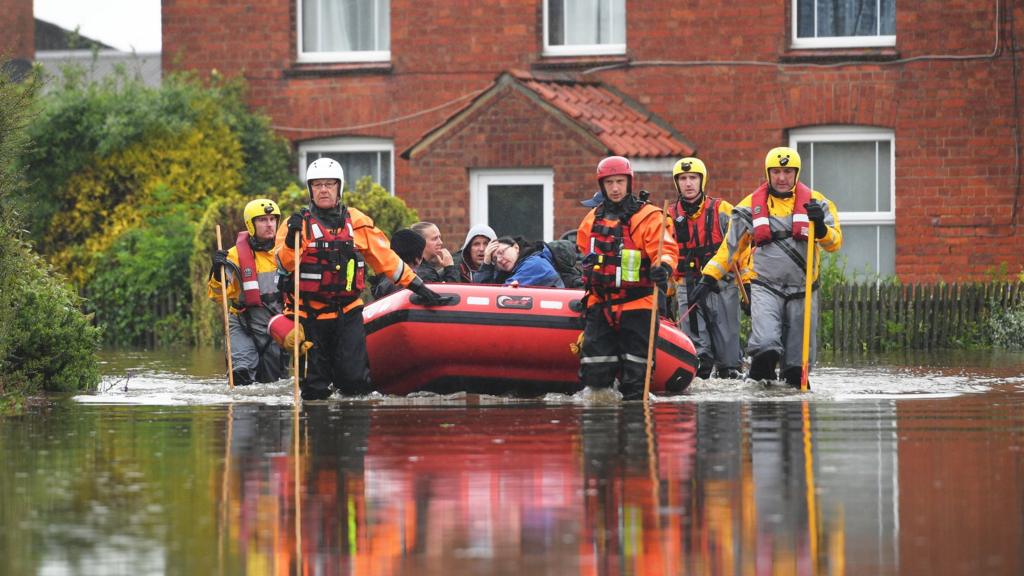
[
  {"x": 121, "y": 172},
  {"x": 46, "y": 342},
  {"x": 144, "y": 271},
  {"x": 1006, "y": 326},
  {"x": 51, "y": 345}
]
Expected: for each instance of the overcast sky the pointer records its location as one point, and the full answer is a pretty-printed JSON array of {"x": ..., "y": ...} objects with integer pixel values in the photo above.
[{"x": 123, "y": 24}]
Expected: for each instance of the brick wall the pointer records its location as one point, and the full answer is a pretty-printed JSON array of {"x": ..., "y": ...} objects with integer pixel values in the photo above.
[
  {"x": 17, "y": 29},
  {"x": 954, "y": 120}
]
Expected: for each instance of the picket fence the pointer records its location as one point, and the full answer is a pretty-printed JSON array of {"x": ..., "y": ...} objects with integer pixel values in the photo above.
[{"x": 887, "y": 316}]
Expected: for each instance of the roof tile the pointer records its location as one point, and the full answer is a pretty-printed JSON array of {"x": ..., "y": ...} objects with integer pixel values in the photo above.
[{"x": 620, "y": 126}]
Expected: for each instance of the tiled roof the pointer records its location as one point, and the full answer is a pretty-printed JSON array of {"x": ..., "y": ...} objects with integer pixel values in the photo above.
[
  {"x": 624, "y": 126},
  {"x": 618, "y": 122}
]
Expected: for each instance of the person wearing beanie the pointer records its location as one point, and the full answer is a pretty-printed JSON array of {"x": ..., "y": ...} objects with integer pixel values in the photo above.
[{"x": 408, "y": 244}]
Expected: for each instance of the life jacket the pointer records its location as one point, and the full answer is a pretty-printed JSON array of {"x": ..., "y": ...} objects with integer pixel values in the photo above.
[
  {"x": 331, "y": 271},
  {"x": 703, "y": 237},
  {"x": 247, "y": 267},
  {"x": 762, "y": 226},
  {"x": 615, "y": 268}
]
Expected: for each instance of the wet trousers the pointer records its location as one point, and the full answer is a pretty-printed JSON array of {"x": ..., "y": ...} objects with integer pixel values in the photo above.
[
  {"x": 610, "y": 351},
  {"x": 714, "y": 325},
  {"x": 338, "y": 357},
  {"x": 777, "y": 323},
  {"x": 254, "y": 355}
]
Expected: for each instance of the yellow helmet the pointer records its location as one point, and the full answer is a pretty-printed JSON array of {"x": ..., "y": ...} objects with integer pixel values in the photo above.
[
  {"x": 256, "y": 208},
  {"x": 782, "y": 157},
  {"x": 690, "y": 164}
]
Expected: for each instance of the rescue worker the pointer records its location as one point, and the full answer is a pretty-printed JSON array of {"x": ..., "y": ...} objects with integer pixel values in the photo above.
[
  {"x": 774, "y": 219},
  {"x": 336, "y": 244},
  {"x": 700, "y": 223},
  {"x": 619, "y": 239},
  {"x": 251, "y": 275}
]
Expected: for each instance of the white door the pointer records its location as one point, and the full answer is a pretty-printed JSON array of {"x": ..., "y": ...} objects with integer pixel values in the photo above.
[{"x": 513, "y": 202}]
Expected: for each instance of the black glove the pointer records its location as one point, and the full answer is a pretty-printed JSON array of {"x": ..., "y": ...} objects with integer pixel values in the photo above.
[
  {"x": 430, "y": 298},
  {"x": 659, "y": 275},
  {"x": 745, "y": 303},
  {"x": 700, "y": 291},
  {"x": 294, "y": 225},
  {"x": 220, "y": 260},
  {"x": 816, "y": 214}
]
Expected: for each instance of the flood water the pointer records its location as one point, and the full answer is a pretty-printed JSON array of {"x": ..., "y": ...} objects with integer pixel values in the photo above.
[{"x": 897, "y": 465}]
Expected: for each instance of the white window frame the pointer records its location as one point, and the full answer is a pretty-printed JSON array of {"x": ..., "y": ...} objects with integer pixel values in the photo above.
[
  {"x": 354, "y": 144},
  {"x": 346, "y": 56},
  {"x": 577, "y": 49},
  {"x": 834, "y": 41},
  {"x": 482, "y": 178},
  {"x": 819, "y": 134}
]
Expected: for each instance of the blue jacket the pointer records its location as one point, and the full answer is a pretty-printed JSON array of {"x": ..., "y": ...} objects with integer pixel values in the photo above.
[{"x": 537, "y": 269}]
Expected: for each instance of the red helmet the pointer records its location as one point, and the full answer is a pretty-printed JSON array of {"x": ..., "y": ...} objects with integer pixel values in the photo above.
[{"x": 614, "y": 166}]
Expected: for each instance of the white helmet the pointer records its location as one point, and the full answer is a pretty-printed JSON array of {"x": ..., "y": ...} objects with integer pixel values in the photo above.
[{"x": 322, "y": 168}]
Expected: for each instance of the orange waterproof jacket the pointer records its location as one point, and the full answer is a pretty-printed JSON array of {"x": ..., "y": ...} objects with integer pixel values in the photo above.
[
  {"x": 368, "y": 240},
  {"x": 646, "y": 225}
]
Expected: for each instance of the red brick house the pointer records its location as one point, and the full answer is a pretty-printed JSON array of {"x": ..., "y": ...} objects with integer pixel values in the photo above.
[{"x": 907, "y": 115}]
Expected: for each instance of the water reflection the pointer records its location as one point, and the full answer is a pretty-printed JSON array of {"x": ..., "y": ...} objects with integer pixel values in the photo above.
[
  {"x": 684, "y": 489},
  {"x": 851, "y": 480}
]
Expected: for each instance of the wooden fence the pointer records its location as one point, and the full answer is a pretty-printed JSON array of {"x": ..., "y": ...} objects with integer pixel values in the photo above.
[{"x": 874, "y": 317}]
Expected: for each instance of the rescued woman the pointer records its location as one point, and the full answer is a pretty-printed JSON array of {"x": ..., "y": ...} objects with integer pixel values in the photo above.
[{"x": 513, "y": 261}]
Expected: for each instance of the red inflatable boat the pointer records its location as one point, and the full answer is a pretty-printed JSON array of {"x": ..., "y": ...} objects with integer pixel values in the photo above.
[{"x": 496, "y": 340}]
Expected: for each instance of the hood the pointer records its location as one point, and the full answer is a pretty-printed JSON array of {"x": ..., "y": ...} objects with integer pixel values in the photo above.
[{"x": 478, "y": 230}]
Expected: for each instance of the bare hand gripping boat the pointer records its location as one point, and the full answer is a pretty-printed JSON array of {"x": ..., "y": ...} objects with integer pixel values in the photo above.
[{"x": 496, "y": 340}]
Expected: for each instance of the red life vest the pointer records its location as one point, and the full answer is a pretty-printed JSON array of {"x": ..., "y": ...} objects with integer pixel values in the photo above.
[
  {"x": 602, "y": 270},
  {"x": 331, "y": 270},
  {"x": 250, "y": 277},
  {"x": 759, "y": 212},
  {"x": 703, "y": 236}
]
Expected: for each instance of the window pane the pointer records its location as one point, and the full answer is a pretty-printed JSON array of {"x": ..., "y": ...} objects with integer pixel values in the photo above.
[
  {"x": 861, "y": 249},
  {"x": 805, "y": 150},
  {"x": 884, "y": 176},
  {"x": 586, "y": 22},
  {"x": 805, "y": 19},
  {"x": 832, "y": 18},
  {"x": 516, "y": 210},
  {"x": 376, "y": 165},
  {"x": 556, "y": 22},
  {"x": 845, "y": 173},
  {"x": 887, "y": 19},
  {"x": 345, "y": 25}
]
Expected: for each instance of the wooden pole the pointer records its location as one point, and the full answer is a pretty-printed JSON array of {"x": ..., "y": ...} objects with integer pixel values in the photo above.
[
  {"x": 808, "y": 285},
  {"x": 739, "y": 282},
  {"x": 224, "y": 309},
  {"x": 295, "y": 300},
  {"x": 654, "y": 309}
]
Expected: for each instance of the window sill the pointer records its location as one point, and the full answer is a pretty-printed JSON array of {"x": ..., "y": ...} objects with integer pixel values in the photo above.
[
  {"x": 834, "y": 55},
  {"x": 323, "y": 69},
  {"x": 579, "y": 62}
]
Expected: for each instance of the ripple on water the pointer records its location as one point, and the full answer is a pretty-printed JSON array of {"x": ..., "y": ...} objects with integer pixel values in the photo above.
[{"x": 830, "y": 383}]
